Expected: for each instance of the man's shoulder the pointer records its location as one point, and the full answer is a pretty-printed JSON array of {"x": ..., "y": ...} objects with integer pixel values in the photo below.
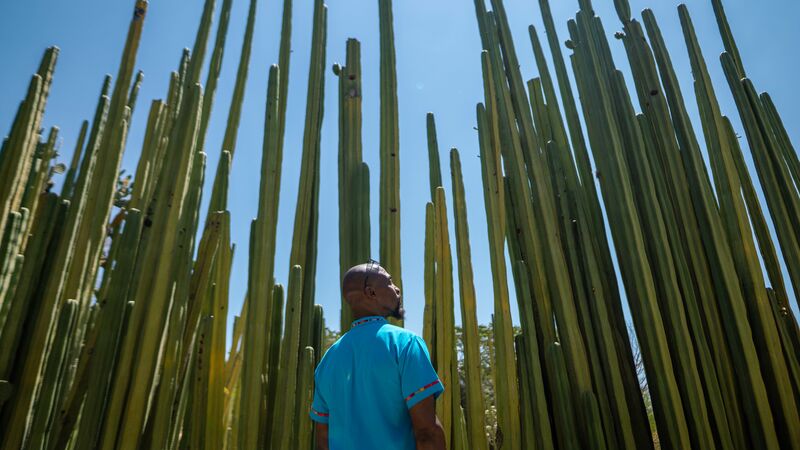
[
  {"x": 397, "y": 335},
  {"x": 329, "y": 353}
]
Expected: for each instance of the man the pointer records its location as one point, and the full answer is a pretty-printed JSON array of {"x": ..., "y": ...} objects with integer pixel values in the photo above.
[{"x": 375, "y": 387}]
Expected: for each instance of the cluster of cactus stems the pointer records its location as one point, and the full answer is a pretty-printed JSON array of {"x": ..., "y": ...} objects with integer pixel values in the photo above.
[
  {"x": 717, "y": 342},
  {"x": 112, "y": 331},
  {"x": 113, "y": 319}
]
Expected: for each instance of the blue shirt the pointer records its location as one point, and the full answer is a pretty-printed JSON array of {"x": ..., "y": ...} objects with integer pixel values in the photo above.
[{"x": 366, "y": 383}]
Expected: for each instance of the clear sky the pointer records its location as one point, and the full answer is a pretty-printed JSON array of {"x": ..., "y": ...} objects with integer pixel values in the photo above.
[{"x": 438, "y": 70}]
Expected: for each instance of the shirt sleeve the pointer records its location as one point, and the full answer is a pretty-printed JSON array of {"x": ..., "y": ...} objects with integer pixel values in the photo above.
[
  {"x": 418, "y": 378},
  {"x": 319, "y": 407}
]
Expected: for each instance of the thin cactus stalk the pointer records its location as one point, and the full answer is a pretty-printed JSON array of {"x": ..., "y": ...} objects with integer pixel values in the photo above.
[
  {"x": 284, "y": 60},
  {"x": 304, "y": 427},
  {"x": 273, "y": 363},
  {"x": 428, "y": 318},
  {"x": 147, "y": 168},
  {"x": 389, "y": 213},
  {"x": 445, "y": 321},
  {"x": 469, "y": 321},
  {"x": 214, "y": 69},
  {"x": 594, "y": 423},
  {"x": 262, "y": 257},
  {"x": 200, "y": 44},
  {"x": 9, "y": 250},
  {"x": 533, "y": 389},
  {"x": 489, "y": 119},
  {"x": 433, "y": 154},
  {"x": 218, "y": 310},
  {"x": 306, "y": 220},
  {"x": 219, "y": 202},
  {"x": 39, "y": 173},
  {"x": 353, "y": 225},
  {"x": 527, "y": 436},
  {"x": 563, "y": 413},
  {"x": 789, "y": 152},
  {"x": 282, "y": 429}
]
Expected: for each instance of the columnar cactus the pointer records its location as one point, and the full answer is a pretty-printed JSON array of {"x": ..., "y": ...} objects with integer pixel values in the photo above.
[
  {"x": 218, "y": 202},
  {"x": 353, "y": 172},
  {"x": 262, "y": 255},
  {"x": 389, "y": 214},
  {"x": 469, "y": 321},
  {"x": 306, "y": 219}
]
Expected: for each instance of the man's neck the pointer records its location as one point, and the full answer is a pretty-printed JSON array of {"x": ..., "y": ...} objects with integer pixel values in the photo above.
[{"x": 357, "y": 316}]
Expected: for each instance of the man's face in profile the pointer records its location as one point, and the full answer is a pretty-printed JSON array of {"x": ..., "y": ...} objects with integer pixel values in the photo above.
[{"x": 386, "y": 293}]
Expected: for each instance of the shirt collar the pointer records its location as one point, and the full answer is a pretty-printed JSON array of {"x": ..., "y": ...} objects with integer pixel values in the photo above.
[{"x": 366, "y": 320}]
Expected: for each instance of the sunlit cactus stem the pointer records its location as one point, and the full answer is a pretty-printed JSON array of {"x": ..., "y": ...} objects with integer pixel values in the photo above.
[
  {"x": 353, "y": 172},
  {"x": 469, "y": 320},
  {"x": 262, "y": 262},
  {"x": 218, "y": 202},
  {"x": 389, "y": 215},
  {"x": 306, "y": 219}
]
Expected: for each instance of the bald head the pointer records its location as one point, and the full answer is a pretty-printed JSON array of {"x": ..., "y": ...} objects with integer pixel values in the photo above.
[{"x": 369, "y": 290}]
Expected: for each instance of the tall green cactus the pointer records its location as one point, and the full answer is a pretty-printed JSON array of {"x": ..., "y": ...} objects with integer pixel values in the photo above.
[
  {"x": 433, "y": 154},
  {"x": 389, "y": 213},
  {"x": 306, "y": 219},
  {"x": 262, "y": 257},
  {"x": 218, "y": 202},
  {"x": 469, "y": 321},
  {"x": 489, "y": 119},
  {"x": 282, "y": 427},
  {"x": 354, "y": 248},
  {"x": 447, "y": 406}
]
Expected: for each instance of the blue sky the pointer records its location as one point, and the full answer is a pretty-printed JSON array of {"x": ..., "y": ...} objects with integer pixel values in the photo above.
[{"x": 438, "y": 70}]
